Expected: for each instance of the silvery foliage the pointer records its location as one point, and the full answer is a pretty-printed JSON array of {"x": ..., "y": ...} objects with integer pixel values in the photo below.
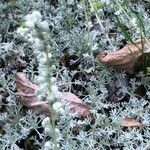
[{"x": 67, "y": 25}]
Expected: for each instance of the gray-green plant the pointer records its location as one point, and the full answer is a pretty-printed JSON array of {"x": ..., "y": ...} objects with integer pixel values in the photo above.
[{"x": 70, "y": 26}]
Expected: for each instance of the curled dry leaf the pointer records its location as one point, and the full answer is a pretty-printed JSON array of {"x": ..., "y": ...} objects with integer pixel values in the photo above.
[
  {"x": 129, "y": 122},
  {"x": 26, "y": 91},
  {"x": 80, "y": 109},
  {"x": 126, "y": 58},
  {"x": 71, "y": 97},
  {"x": 76, "y": 105}
]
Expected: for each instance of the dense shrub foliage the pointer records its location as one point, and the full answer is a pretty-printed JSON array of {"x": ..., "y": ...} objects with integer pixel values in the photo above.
[{"x": 76, "y": 31}]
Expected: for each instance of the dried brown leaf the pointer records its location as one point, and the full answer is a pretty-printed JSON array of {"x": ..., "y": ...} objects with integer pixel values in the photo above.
[
  {"x": 79, "y": 109},
  {"x": 129, "y": 122},
  {"x": 76, "y": 105},
  {"x": 26, "y": 91},
  {"x": 70, "y": 97},
  {"x": 126, "y": 58}
]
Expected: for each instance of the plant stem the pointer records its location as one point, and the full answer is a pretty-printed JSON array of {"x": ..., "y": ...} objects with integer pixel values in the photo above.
[
  {"x": 53, "y": 119},
  {"x": 53, "y": 113}
]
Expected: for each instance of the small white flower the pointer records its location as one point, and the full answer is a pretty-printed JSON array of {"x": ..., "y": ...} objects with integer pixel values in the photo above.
[
  {"x": 38, "y": 44},
  {"x": 57, "y": 106},
  {"x": 22, "y": 31},
  {"x": 41, "y": 79},
  {"x": 44, "y": 25},
  {"x": 35, "y": 17},
  {"x": 49, "y": 55},
  {"x": 40, "y": 96},
  {"x": 54, "y": 89},
  {"x": 46, "y": 122},
  {"x": 45, "y": 55},
  {"x": 39, "y": 55},
  {"x": 61, "y": 111},
  {"x": 53, "y": 96},
  {"x": 56, "y": 145},
  {"x": 47, "y": 130},
  {"x": 31, "y": 39},
  {"x": 133, "y": 21},
  {"x": 43, "y": 72},
  {"x": 30, "y": 24},
  {"x": 57, "y": 131},
  {"x": 26, "y": 30},
  {"x": 53, "y": 67},
  {"x": 43, "y": 60},
  {"x": 28, "y": 17},
  {"x": 32, "y": 19},
  {"x": 50, "y": 97},
  {"x": 27, "y": 36},
  {"x": 53, "y": 80},
  {"x": 48, "y": 145},
  {"x": 43, "y": 88},
  {"x": 56, "y": 92},
  {"x": 90, "y": 24},
  {"x": 37, "y": 40}
]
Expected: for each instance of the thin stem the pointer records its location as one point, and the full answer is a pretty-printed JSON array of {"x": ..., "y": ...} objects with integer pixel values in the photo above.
[
  {"x": 53, "y": 119},
  {"x": 53, "y": 113},
  {"x": 48, "y": 67}
]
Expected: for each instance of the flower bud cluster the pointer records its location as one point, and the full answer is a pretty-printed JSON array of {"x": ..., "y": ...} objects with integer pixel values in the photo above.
[
  {"x": 48, "y": 87},
  {"x": 50, "y": 146},
  {"x": 35, "y": 32},
  {"x": 48, "y": 130},
  {"x": 46, "y": 125},
  {"x": 33, "y": 22}
]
